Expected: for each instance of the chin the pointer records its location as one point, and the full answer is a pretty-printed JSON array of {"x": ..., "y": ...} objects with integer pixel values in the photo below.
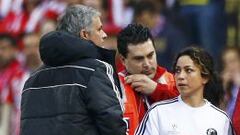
[{"x": 185, "y": 93}]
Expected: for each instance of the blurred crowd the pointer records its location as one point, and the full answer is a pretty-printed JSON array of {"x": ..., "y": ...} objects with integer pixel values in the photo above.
[{"x": 175, "y": 24}]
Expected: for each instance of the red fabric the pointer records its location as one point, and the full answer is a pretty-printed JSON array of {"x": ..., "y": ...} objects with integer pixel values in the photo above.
[
  {"x": 134, "y": 103},
  {"x": 236, "y": 115},
  {"x": 119, "y": 65},
  {"x": 14, "y": 78},
  {"x": 164, "y": 91},
  {"x": 134, "y": 107},
  {"x": 14, "y": 23},
  {"x": 109, "y": 26},
  {"x": 6, "y": 77},
  {"x": 11, "y": 83},
  {"x": 111, "y": 29},
  {"x": 52, "y": 15}
]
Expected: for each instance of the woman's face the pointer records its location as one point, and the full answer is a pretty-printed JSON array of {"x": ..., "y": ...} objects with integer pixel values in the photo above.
[{"x": 188, "y": 77}]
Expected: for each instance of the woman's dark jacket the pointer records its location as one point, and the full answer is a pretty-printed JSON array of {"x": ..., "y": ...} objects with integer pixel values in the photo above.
[{"x": 73, "y": 93}]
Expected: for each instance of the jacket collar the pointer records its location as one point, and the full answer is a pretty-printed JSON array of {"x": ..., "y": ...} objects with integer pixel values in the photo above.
[{"x": 59, "y": 48}]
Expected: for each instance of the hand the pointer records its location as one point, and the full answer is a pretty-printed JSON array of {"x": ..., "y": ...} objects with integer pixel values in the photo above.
[{"x": 141, "y": 83}]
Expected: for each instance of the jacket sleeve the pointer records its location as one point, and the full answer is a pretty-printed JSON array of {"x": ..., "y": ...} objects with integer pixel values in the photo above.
[
  {"x": 164, "y": 91},
  {"x": 103, "y": 103}
]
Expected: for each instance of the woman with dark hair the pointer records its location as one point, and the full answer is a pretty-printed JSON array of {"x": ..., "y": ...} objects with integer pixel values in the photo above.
[{"x": 192, "y": 112}]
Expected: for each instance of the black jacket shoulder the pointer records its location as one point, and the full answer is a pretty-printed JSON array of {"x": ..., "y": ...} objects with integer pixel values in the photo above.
[{"x": 73, "y": 93}]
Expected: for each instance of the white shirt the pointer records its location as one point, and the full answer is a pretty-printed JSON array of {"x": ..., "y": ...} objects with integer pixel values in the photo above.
[{"x": 174, "y": 117}]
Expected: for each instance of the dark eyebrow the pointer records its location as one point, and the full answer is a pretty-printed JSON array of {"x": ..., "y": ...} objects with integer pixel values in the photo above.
[
  {"x": 151, "y": 53},
  {"x": 138, "y": 57}
]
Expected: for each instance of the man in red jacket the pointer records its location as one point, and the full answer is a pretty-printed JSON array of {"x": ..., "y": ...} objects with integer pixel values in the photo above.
[{"x": 143, "y": 81}]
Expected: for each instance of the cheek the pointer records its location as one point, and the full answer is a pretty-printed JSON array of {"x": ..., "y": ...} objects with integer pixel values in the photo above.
[
  {"x": 98, "y": 35},
  {"x": 133, "y": 67},
  {"x": 154, "y": 62},
  {"x": 198, "y": 81}
]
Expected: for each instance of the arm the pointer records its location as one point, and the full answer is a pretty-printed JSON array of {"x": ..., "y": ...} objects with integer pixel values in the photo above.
[
  {"x": 104, "y": 105},
  {"x": 165, "y": 89},
  {"x": 163, "y": 92},
  {"x": 156, "y": 91}
]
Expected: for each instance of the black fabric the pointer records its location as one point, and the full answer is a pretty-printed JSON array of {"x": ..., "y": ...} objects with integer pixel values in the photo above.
[
  {"x": 68, "y": 96},
  {"x": 109, "y": 57},
  {"x": 59, "y": 48}
]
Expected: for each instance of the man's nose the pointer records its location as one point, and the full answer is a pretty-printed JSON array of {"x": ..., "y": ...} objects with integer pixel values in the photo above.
[
  {"x": 104, "y": 35},
  {"x": 146, "y": 62}
]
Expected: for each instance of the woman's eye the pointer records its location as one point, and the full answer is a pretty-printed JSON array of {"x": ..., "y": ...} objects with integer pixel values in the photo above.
[
  {"x": 189, "y": 70},
  {"x": 177, "y": 70}
]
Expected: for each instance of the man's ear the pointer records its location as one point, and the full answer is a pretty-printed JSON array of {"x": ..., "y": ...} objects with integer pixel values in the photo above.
[{"x": 84, "y": 34}]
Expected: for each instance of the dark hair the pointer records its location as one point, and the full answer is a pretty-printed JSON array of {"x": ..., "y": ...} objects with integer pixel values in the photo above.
[
  {"x": 9, "y": 39},
  {"x": 131, "y": 35},
  {"x": 213, "y": 90}
]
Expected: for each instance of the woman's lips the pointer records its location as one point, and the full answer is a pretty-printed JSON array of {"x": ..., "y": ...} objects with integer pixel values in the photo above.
[{"x": 182, "y": 84}]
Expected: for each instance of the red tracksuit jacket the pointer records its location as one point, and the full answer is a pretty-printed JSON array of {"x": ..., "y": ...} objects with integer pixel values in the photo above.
[{"x": 135, "y": 103}]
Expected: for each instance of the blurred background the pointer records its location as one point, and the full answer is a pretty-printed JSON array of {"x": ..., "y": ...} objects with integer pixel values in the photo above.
[{"x": 175, "y": 24}]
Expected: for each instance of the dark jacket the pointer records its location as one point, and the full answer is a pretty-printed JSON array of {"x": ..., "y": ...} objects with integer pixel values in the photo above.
[
  {"x": 109, "y": 57},
  {"x": 73, "y": 93}
]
